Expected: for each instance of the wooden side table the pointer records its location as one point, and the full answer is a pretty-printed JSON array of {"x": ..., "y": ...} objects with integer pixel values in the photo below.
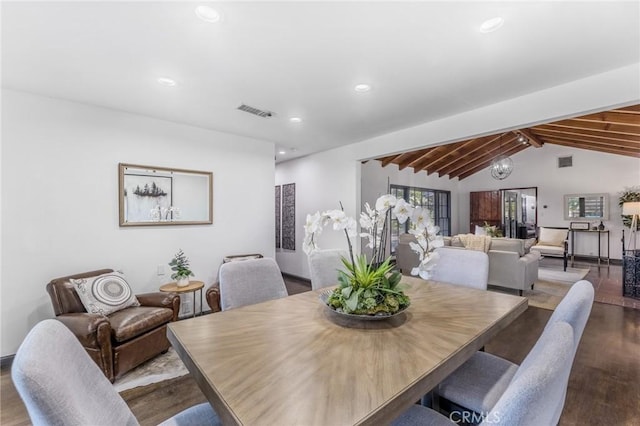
[{"x": 193, "y": 286}]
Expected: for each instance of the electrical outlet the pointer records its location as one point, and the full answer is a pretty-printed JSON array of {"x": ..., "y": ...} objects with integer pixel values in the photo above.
[{"x": 160, "y": 269}]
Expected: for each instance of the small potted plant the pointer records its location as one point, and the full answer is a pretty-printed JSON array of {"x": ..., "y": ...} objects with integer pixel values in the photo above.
[{"x": 180, "y": 267}]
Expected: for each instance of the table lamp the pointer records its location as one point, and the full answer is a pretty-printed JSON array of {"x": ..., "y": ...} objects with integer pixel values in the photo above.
[{"x": 632, "y": 208}]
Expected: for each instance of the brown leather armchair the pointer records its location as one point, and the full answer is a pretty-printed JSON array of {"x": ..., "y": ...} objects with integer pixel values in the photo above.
[{"x": 122, "y": 340}]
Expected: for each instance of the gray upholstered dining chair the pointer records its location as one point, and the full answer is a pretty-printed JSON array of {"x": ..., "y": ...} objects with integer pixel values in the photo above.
[
  {"x": 534, "y": 394},
  {"x": 324, "y": 266},
  {"x": 469, "y": 268},
  {"x": 65, "y": 387},
  {"x": 481, "y": 381},
  {"x": 249, "y": 282}
]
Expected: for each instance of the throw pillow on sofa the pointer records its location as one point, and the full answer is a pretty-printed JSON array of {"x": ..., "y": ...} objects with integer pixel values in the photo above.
[{"x": 105, "y": 294}]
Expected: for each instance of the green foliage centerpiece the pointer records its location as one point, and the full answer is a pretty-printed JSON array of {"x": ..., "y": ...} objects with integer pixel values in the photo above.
[{"x": 370, "y": 287}]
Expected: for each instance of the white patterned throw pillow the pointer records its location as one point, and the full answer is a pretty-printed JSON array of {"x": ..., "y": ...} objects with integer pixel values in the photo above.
[{"x": 105, "y": 294}]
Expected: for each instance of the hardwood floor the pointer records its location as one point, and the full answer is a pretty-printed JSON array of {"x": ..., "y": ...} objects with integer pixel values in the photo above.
[{"x": 604, "y": 387}]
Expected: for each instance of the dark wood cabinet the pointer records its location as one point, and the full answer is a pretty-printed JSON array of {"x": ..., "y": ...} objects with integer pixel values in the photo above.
[{"x": 485, "y": 207}]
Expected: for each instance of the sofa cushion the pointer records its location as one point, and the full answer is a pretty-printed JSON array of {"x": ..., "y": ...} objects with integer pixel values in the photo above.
[
  {"x": 105, "y": 294},
  {"x": 548, "y": 250},
  {"x": 552, "y": 237},
  {"x": 456, "y": 241},
  {"x": 475, "y": 242},
  {"x": 528, "y": 243},
  {"x": 134, "y": 321},
  {"x": 508, "y": 244}
]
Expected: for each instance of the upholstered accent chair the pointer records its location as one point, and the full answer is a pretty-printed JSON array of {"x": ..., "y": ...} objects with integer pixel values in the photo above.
[
  {"x": 481, "y": 382},
  {"x": 212, "y": 294},
  {"x": 61, "y": 385},
  {"x": 553, "y": 242},
  {"x": 510, "y": 266},
  {"x": 324, "y": 266},
  {"x": 250, "y": 281},
  {"x": 535, "y": 394},
  {"x": 469, "y": 268},
  {"x": 121, "y": 340}
]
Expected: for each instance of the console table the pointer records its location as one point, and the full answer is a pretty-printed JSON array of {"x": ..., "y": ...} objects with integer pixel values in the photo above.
[{"x": 592, "y": 231}]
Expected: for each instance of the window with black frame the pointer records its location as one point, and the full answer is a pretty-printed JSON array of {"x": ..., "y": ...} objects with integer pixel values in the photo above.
[{"x": 438, "y": 202}]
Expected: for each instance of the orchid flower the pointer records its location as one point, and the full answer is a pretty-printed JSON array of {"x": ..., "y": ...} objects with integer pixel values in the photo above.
[
  {"x": 385, "y": 202},
  {"x": 402, "y": 211}
]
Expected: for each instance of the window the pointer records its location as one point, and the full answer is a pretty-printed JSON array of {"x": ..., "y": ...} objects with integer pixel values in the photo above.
[{"x": 438, "y": 202}]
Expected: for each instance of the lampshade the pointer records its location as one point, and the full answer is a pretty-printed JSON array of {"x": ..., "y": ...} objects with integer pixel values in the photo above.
[
  {"x": 501, "y": 167},
  {"x": 631, "y": 208}
]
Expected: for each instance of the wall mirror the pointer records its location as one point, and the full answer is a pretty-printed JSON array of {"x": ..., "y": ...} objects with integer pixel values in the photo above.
[
  {"x": 156, "y": 196},
  {"x": 586, "y": 206}
]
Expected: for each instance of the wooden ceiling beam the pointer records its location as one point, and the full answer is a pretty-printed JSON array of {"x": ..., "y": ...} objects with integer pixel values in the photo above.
[
  {"x": 485, "y": 157},
  {"x": 411, "y": 156},
  {"x": 454, "y": 151},
  {"x": 630, "y": 152},
  {"x": 633, "y": 109},
  {"x": 512, "y": 151},
  {"x": 549, "y": 128},
  {"x": 388, "y": 160},
  {"x": 470, "y": 147},
  {"x": 615, "y": 144},
  {"x": 533, "y": 140},
  {"x": 491, "y": 148},
  {"x": 616, "y": 131},
  {"x": 587, "y": 138},
  {"x": 611, "y": 117},
  {"x": 601, "y": 128},
  {"x": 425, "y": 159}
]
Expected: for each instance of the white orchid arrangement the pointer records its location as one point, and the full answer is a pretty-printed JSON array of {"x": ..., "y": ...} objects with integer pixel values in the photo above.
[
  {"x": 426, "y": 234},
  {"x": 373, "y": 221}
]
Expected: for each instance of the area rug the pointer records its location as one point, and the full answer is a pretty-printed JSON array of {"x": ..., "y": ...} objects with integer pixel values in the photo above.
[
  {"x": 552, "y": 285},
  {"x": 557, "y": 274},
  {"x": 547, "y": 294},
  {"x": 163, "y": 367}
]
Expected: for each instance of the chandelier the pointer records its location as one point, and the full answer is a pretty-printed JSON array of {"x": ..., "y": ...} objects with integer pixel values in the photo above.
[{"x": 501, "y": 166}]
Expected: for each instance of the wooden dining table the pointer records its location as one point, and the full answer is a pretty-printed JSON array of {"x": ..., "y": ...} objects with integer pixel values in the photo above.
[{"x": 293, "y": 361}]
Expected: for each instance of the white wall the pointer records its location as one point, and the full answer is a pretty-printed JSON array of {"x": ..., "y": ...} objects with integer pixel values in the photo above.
[
  {"x": 322, "y": 182},
  {"x": 60, "y": 205},
  {"x": 592, "y": 172},
  {"x": 333, "y": 172}
]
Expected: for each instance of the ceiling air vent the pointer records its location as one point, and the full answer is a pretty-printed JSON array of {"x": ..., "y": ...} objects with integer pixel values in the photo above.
[
  {"x": 565, "y": 162},
  {"x": 255, "y": 111}
]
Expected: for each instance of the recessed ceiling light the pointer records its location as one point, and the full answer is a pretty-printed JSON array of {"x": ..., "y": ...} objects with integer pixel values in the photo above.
[
  {"x": 282, "y": 152},
  {"x": 295, "y": 120},
  {"x": 361, "y": 88},
  {"x": 207, "y": 14},
  {"x": 166, "y": 81},
  {"x": 491, "y": 25}
]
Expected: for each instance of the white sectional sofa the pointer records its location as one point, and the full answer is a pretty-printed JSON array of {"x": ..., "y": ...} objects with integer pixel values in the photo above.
[{"x": 509, "y": 265}]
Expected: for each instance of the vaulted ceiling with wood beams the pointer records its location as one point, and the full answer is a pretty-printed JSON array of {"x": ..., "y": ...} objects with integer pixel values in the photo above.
[{"x": 615, "y": 132}]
